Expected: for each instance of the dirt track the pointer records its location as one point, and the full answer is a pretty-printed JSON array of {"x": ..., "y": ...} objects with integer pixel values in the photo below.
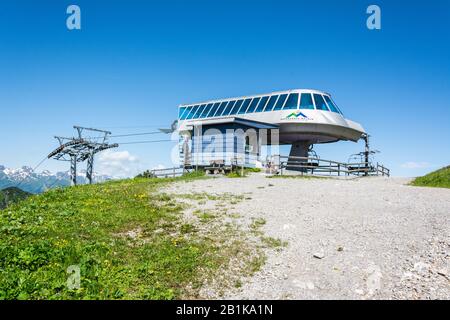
[{"x": 365, "y": 238}]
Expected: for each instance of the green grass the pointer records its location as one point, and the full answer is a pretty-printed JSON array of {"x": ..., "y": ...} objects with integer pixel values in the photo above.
[
  {"x": 252, "y": 169},
  {"x": 273, "y": 242},
  {"x": 439, "y": 178},
  {"x": 237, "y": 172},
  {"x": 202, "y": 196},
  {"x": 204, "y": 216},
  {"x": 257, "y": 223},
  {"x": 89, "y": 226}
]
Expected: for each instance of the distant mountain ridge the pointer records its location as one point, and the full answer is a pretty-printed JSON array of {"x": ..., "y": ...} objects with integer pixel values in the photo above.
[{"x": 37, "y": 182}]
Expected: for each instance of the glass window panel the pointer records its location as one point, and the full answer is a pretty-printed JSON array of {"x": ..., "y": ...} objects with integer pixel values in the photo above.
[
  {"x": 262, "y": 104},
  {"x": 213, "y": 109},
  {"x": 292, "y": 102},
  {"x": 271, "y": 103},
  {"x": 186, "y": 112},
  {"x": 280, "y": 102},
  {"x": 193, "y": 111},
  {"x": 252, "y": 106},
  {"x": 236, "y": 107},
  {"x": 228, "y": 108},
  {"x": 206, "y": 110},
  {"x": 199, "y": 111},
  {"x": 220, "y": 110},
  {"x": 320, "y": 103},
  {"x": 181, "y": 111},
  {"x": 330, "y": 104},
  {"x": 306, "y": 101},
  {"x": 244, "y": 106},
  {"x": 337, "y": 107}
]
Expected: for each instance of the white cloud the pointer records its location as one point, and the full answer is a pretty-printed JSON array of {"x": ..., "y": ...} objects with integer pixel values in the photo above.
[
  {"x": 415, "y": 165},
  {"x": 159, "y": 166},
  {"x": 118, "y": 164}
]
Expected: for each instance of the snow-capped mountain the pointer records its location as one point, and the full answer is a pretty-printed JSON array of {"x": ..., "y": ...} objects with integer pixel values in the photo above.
[{"x": 37, "y": 182}]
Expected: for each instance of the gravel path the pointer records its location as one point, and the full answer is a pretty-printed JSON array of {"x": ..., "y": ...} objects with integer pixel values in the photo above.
[{"x": 365, "y": 238}]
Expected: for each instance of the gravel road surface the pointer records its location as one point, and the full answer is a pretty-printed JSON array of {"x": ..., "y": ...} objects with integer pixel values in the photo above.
[{"x": 364, "y": 238}]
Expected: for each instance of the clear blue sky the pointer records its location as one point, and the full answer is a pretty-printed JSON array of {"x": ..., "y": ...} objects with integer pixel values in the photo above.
[{"x": 133, "y": 62}]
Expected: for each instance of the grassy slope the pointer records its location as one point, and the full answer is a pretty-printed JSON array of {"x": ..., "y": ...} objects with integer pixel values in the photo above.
[
  {"x": 86, "y": 226},
  {"x": 439, "y": 178}
]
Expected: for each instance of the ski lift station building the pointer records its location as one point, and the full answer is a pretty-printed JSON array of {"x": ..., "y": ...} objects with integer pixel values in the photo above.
[{"x": 236, "y": 128}]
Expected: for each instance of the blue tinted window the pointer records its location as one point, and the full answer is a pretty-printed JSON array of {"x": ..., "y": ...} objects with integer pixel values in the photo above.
[
  {"x": 220, "y": 110},
  {"x": 271, "y": 103},
  {"x": 181, "y": 111},
  {"x": 228, "y": 108},
  {"x": 236, "y": 107},
  {"x": 331, "y": 105},
  {"x": 193, "y": 111},
  {"x": 199, "y": 111},
  {"x": 292, "y": 102},
  {"x": 186, "y": 112},
  {"x": 280, "y": 102},
  {"x": 244, "y": 106},
  {"x": 262, "y": 104},
  {"x": 306, "y": 101},
  {"x": 335, "y": 104},
  {"x": 320, "y": 103},
  {"x": 206, "y": 110},
  {"x": 213, "y": 109},
  {"x": 252, "y": 106}
]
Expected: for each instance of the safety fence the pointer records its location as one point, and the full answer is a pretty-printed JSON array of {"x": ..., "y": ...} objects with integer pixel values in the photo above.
[{"x": 280, "y": 164}]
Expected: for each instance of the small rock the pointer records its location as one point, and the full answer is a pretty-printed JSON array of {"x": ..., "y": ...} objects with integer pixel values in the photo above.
[
  {"x": 319, "y": 255},
  {"x": 407, "y": 275},
  {"x": 442, "y": 272},
  {"x": 310, "y": 285},
  {"x": 304, "y": 284},
  {"x": 359, "y": 291},
  {"x": 421, "y": 267}
]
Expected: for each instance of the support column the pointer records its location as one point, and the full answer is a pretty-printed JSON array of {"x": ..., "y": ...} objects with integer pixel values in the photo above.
[
  {"x": 298, "y": 149},
  {"x": 90, "y": 168},
  {"x": 73, "y": 170},
  {"x": 186, "y": 151},
  {"x": 366, "y": 153}
]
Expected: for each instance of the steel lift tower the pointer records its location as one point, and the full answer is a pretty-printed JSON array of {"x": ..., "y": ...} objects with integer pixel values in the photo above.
[{"x": 80, "y": 149}]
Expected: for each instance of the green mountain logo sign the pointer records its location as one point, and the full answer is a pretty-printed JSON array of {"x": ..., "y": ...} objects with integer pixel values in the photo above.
[{"x": 297, "y": 115}]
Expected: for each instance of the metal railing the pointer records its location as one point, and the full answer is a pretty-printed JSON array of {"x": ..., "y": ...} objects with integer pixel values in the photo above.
[
  {"x": 279, "y": 164},
  {"x": 168, "y": 172},
  {"x": 317, "y": 166},
  {"x": 383, "y": 170}
]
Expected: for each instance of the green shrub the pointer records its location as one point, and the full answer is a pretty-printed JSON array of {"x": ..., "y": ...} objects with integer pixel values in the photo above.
[{"x": 146, "y": 174}]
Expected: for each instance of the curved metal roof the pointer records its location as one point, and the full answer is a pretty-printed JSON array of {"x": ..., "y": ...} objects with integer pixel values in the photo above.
[{"x": 257, "y": 95}]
